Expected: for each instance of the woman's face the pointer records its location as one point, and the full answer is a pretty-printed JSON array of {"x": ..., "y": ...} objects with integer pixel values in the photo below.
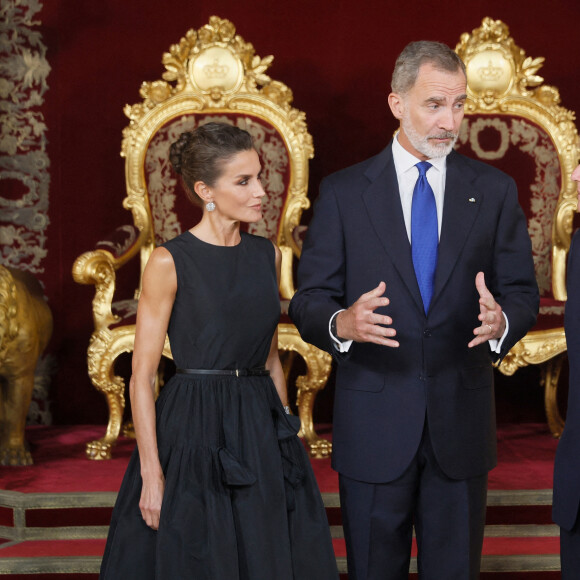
[{"x": 238, "y": 192}]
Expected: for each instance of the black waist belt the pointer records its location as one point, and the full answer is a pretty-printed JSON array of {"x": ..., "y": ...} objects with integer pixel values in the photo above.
[{"x": 255, "y": 372}]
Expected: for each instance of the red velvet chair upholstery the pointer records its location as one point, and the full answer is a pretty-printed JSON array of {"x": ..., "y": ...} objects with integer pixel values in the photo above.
[
  {"x": 515, "y": 122},
  {"x": 211, "y": 75}
]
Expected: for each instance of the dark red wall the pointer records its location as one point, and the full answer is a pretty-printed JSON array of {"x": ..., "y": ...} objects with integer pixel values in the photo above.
[{"x": 337, "y": 57}]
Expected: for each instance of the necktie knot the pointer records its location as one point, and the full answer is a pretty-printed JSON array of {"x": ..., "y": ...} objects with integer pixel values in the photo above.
[{"x": 423, "y": 167}]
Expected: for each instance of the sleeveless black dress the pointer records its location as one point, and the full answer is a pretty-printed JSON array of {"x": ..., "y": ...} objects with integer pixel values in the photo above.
[{"x": 241, "y": 501}]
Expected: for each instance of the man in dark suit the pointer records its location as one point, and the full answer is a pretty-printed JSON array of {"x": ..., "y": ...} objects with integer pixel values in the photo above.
[
  {"x": 393, "y": 280},
  {"x": 566, "y": 504}
]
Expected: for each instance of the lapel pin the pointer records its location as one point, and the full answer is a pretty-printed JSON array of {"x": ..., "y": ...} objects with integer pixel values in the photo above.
[{"x": 471, "y": 200}]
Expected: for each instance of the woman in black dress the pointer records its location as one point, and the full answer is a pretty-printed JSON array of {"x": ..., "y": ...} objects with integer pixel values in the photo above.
[{"x": 219, "y": 487}]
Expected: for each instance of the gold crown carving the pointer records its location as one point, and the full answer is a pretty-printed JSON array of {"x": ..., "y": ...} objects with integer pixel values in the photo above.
[
  {"x": 489, "y": 72},
  {"x": 216, "y": 70}
]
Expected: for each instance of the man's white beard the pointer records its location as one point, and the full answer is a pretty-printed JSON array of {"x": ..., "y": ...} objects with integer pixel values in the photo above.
[{"x": 424, "y": 145}]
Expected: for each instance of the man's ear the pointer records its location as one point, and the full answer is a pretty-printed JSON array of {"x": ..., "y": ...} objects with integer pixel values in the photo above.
[{"x": 397, "y": 105}]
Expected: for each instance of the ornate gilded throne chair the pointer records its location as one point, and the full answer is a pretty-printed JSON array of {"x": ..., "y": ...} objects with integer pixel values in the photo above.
[
  {"x": 212, "y": 74},
  {"x": 515, "y": 122}
]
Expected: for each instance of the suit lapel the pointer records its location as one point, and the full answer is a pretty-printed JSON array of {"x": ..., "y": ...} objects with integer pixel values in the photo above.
[
  {"x": 383, "y": 204},
  {"x": 460, "y": 208}
]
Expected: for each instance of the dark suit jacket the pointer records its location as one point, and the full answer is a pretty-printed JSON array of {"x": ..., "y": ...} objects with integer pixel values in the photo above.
[
  {"x": 357, "y": 238},
  {"x": 567, "y": 465}
]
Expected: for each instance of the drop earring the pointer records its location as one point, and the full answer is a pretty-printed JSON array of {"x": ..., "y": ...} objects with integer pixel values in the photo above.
[{"x": 210, "y": 206}]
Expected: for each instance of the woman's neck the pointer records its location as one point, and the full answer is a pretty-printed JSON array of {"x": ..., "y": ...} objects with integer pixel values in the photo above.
[{"x": 219, "y": 232}]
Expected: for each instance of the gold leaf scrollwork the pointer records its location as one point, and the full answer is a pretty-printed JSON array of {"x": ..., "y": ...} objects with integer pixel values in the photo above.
[
  {"x": 157, "y": 91},
  {"x": 494, "y": 35}
]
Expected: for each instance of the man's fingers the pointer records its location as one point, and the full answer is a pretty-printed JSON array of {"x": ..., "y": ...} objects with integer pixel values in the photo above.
[
  {"x": 360, "y": 322},
  {"x": 381, "y": 319},
  {"x": 481, "y": 287},
  {"x": 376, "y": 302},
  {"x": 486, "y": 299},
  {"x": 384, "y": 338},
  {"x": 482, "y": 333},
  {"x": 375, "y": 292},
  {"x": 480, "y": 339}
]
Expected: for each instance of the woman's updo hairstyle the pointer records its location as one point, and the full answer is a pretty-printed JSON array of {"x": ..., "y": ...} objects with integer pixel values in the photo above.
[{"x": 199, "y": 155}]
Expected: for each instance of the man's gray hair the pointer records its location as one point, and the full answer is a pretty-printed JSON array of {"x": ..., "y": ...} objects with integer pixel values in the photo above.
[{"x": 418, "y": 53}]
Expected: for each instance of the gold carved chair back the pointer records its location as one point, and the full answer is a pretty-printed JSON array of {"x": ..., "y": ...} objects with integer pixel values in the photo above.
[
  {"x": 212, "y": 74},
  {"x": 515, "y": 122}
]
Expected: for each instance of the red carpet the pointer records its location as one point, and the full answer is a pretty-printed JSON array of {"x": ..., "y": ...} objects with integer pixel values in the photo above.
[
  {"x": 60, "y": 463},
  {"x": 525, "y": 461},
  {"x": 44, "y": 548},
  {"x": 525, "y": 457},
  {"x": 519, "y": 502}
]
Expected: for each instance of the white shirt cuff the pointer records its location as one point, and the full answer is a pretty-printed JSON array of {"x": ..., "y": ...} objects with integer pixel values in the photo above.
[
  {"x": 494, "y": 343},
  {"x": 341, "y": 346}
]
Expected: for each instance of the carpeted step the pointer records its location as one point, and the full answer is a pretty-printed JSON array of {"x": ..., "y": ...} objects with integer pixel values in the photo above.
[
  {"x": 531, "y": 554},
  {"x": 54, "y": 515}
]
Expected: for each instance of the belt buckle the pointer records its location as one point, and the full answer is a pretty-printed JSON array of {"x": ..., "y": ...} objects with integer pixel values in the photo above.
[{"x": 237, "y": 372}]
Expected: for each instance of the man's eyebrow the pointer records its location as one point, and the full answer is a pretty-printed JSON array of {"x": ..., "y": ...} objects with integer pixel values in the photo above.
[{"x": 442, "y": 99}]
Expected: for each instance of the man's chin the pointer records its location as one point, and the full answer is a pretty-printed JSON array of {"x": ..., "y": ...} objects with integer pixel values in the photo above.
[{"x": 435, "y": 150}]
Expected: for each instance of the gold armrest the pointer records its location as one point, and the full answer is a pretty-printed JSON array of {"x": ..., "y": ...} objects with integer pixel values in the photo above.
[{"x": 98, "y": 268}]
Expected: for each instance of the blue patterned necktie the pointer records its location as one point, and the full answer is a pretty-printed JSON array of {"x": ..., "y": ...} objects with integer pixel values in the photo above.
[{"x": 424, "y": 234}]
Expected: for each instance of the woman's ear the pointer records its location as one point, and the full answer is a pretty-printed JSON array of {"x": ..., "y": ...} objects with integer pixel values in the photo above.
[{"x": 203, "y": 191}]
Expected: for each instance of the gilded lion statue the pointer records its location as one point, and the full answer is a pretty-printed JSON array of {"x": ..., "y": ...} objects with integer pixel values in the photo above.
[{"x": 25, "y": 329}]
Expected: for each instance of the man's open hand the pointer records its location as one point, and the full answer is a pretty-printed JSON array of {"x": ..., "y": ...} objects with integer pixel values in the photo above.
[
  {"x": 490, "y": 315},
  {"x": 361, "y": 324}
]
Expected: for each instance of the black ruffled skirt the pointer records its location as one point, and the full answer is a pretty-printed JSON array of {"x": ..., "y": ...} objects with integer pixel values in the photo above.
[{"x": 240, "y": 502}]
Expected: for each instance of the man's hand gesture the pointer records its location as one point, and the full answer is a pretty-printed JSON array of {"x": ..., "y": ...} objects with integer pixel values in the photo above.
[
  {"x": 360, "y": 322},
  {"x": 490, "y": 315}
]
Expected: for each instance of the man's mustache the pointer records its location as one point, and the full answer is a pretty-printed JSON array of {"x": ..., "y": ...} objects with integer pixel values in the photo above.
[{"x": 445, "y": 135}]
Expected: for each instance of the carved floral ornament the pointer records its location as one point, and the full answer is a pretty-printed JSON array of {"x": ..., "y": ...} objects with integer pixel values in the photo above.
[
  {"x": 496, "y": 65},
  {"x": 213, "y": 62}
]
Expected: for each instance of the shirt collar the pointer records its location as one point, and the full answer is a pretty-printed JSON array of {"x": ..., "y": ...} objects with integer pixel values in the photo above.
[{"x": 405, "y": 160}]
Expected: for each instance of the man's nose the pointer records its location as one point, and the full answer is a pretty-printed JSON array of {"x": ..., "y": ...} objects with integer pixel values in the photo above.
[{"x": 447, "y": 119}]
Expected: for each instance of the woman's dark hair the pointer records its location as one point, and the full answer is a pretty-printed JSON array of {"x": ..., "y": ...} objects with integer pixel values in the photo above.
[{"x": 199, "y": 155}]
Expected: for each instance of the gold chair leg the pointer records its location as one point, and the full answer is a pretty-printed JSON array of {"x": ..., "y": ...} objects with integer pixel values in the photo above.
[
  {"x": 550, "y": 377},
  {"x": 318, "y": 447},
  {"x": 104, "y": 348},
  {"x": 101, "y": 448}
]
